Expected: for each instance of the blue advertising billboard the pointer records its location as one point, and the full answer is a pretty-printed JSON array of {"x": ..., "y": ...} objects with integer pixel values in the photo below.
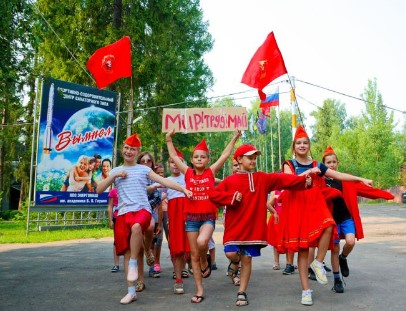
[{"x": 75, "y": 144}]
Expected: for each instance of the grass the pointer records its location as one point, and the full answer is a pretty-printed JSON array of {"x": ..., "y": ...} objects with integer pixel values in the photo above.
[{"x": 15, "y": 232}]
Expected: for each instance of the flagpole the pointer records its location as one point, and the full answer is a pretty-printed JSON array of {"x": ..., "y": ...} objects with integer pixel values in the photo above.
[
  {"x": 293, "y": 106},
  {"x": 279, "y": 139},
  {"x": 265, "y": 150},
  {"x": 272, "y": 151},
  {"x": 130, "y": 109}
]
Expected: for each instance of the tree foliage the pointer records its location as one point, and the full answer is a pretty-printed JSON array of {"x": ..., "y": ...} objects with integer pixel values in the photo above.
[{"x": 46, "y": 38}]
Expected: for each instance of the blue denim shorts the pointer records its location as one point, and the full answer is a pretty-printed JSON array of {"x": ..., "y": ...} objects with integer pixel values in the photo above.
[
  {"x": 194, "y": 226},
  {"x": 344, "y": 228},
  {"x": 248, "y": 250}
]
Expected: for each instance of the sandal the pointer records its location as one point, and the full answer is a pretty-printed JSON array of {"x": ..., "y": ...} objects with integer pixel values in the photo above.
[
  {"x": 197, "y": 299},
  {"x": 233, "y": 273},
  {"x": 185, "y": 274},
  {"x": 140, "y": 286},
  {"x": 150, "y": 258},
  {"x": 207, "y": 271},
  {"x": 241, "y": 299},
  {"x": 276, "y": 267}
]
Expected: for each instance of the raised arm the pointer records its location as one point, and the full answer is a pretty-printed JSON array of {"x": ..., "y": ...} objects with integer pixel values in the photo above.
[
  {"x": 347, "y": 177},
  {"x": 215, "y": 167},
  {"x": 169, "y": 183},
  {"x": 172, "y": 153}
]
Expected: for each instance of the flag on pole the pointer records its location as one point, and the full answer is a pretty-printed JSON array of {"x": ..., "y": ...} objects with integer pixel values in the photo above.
[
  {"x": 111, "y": 62},
  {"x": 265, "y": 66},
  {"x": 272, "y": 100},
  {"x": 261, "y": 124},
  {"x": 266, "y": 111}
]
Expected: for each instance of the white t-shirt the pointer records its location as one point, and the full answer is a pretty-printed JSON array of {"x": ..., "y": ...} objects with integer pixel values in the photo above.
[
  {"x": 173, "y": 194},
  {"x": 132, "y": 190}
]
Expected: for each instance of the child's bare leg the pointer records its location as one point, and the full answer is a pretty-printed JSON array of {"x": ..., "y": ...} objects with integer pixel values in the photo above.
[
  {"x": 149, "y": 235},
  {"x": 205, "y": 233},
  {"x": 275, "y": 259},
  {"x": 312, "y": 251},
  {"x": 245, "y": 273},
  {"x": 116, "y": 258},
  {"x": 302, "y": 262},
  {"x": 334, "y": 258},
  {"x": 178, "y": 265},
  {"x": 324, "y": 242},
  {"x": 349, "y": 244},
  {"x": 140, "y": 261},
  {"x": 136, "y": 240},
  {"x": 195, "y": 259},
  {"x": 289, "y": 258}
]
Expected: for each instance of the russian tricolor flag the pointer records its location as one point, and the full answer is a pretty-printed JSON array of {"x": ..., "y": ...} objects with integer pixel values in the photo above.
[{"x": 270, "y": 101}]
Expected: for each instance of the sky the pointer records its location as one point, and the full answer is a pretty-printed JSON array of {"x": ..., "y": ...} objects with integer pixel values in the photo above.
[{"x": 338, "y": 45}]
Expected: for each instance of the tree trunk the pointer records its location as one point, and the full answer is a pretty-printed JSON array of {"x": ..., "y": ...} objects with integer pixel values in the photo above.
[{"x": 117, "y": 13}]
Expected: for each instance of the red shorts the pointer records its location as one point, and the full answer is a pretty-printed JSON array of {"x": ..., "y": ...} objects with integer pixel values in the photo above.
[{"x": 122, "y": 228}]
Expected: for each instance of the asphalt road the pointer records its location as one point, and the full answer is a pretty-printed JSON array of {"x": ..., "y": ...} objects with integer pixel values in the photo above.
[{"x": 75, "y": 275}]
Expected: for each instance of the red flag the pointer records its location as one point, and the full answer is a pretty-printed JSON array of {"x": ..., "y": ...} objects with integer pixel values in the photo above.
[
  {"x": 265, "y": 66},
  {"x": 266, "y": 111},
  {"x": 111, "y": 62}
]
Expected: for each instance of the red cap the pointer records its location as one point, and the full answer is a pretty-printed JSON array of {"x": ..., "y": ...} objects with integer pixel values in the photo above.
[
  {"x": 245, "y": 150},
  {"x": 133, "y": 141},
  {"x": 201, "y": 146},
  {"x": 300, "y": 133},
  {"x": 328, "y": 151},
  {"x": 179, "y": 154}
]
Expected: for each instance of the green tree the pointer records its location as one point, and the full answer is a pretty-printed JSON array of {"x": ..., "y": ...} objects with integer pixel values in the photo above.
[
  {"x": 15, "y": 115},
  {"x": 329, "y": 125},
  {"x": 379, "y": 148}
]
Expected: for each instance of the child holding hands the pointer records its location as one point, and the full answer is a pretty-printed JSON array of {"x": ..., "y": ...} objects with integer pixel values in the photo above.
[
  {"x": 134, "y": 212},
  {"x": 200, "y": 212},
  {"x": 245, "y": 228}
]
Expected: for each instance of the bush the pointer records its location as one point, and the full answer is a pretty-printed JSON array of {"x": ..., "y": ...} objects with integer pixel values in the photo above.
[{"x": 13, "y": 215}]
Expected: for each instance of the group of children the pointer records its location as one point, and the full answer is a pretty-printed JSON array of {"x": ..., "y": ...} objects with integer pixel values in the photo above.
[{"x": 307, "y": 218}]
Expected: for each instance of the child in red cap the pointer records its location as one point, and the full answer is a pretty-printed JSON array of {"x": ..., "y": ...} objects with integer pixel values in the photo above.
[
  {"x": 200, "y": 212},
  {"x": 347, "y": 217},
  {"x": 245, "y": 228},
  {"x": 134, "y": 210},
  {"x": 305, "y": 220}
]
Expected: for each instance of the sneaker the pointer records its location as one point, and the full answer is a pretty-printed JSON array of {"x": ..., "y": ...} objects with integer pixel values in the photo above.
[
  {"x": 129, "y": 298},
  {"x": 132, "y": 275},
  {"x": 345, "y": 271},
  {"x": 178, "y": 288},
  {"x": 327, "y": 268},
  {"x": 289, "y": 269},
  {"x": 157, "y": 268},
  {"x": 319, "y": 272},
  {"x": 338, "y": 286},
  {"x": 153, "y": 274},
  {"x": 115, "y": 268},
  {"x": 214, "y": 266},
  {"x": 312, "y": 276},
  {"x": 307, "y": 297}
]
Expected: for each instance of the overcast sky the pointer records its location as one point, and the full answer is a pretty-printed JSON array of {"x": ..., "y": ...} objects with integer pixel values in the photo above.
[{"x": 338, "y": 45}]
